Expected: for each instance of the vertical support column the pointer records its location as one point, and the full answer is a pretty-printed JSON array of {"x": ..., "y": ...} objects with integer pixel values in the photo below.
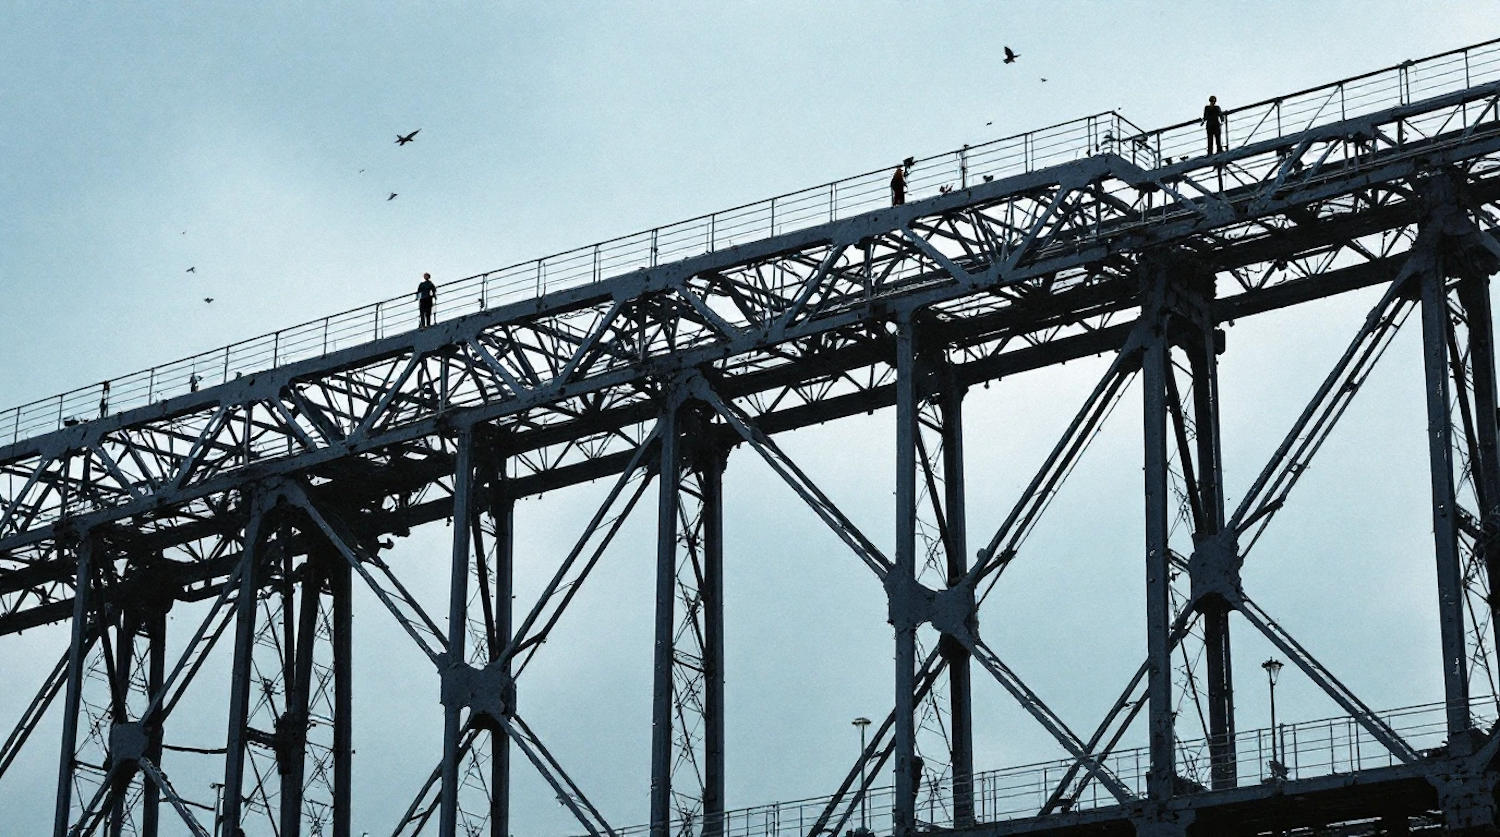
[
  {"x": 291, "y": 733},
  {"x": 156, "y": 667},
  {"x": 666, "y": 581},
  {"x": 458, "y": 616},
  {"x": 1155, "y": 368},
  {"x": 76, "y": 652},
  {"x": 502, "y": 512},
  {"x": 244, "y": 648},
  {"x": 1204, "y": 364},
  {"x": 960, "y": 691},
  {"x": 711, "y": 479},
  {"x": 120, "y": 676},
  {"x": 688, "y": 700},
  {"x": 340, "y": 578},
  {"x": 1225, "y": 770},
  {"x": 902, "y": 581},
  {"x": 1444, "y": 514},
  {"x": 1474, "y": 294}
]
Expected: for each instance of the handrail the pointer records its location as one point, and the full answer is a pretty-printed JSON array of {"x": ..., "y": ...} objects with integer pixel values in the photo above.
[
  {"x": 1306, "y": 749},
  {"x": 799, "y": 209},
  {"x": 1108, "y": 131}
]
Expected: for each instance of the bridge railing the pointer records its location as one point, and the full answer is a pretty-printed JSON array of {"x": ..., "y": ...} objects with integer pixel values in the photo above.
[
  {"x": 1101, "y": 133},
  {"x": 1413, "y": 81},
  {"x": 1306, "y": 749},
  {"x": 784, "y": 213}
]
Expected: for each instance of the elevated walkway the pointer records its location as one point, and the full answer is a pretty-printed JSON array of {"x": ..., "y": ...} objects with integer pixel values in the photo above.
[
  {"x": 1102, "y": 133},
  {"x": 1332, "y": 766}
]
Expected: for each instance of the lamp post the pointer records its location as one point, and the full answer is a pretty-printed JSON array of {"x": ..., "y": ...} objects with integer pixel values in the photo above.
[
  {"x": 862, "y": 722},
  {"x": 1273, "y": 670}
]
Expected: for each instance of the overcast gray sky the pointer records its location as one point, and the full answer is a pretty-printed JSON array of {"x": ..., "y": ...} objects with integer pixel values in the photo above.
[{"x": 255, "y": 144}]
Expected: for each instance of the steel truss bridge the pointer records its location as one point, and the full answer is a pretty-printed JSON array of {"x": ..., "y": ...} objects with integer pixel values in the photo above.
[{"x": 262, "y": 481}]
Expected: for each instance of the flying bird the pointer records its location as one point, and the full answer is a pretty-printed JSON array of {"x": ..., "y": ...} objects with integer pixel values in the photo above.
[
  {"x": 400, "y": 140},
  {"x": 391, "y": 198},
  {"x": 989, "y": 123},
  {"x": 193, "y": 269},
  {"x": 208, "y": 299},
  {"x": 1043, "y": 79},
  {"x": 361, "y": 171},
  {"x": 1010, "y": 56}
]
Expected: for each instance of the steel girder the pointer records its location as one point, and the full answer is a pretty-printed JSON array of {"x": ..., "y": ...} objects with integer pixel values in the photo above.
[
  {"x": 1033, "y": 259},
  {"x": 217, "y": 493}
]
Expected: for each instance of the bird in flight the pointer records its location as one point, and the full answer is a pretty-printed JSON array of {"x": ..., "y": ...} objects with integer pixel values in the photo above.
[
  {"x": 1010, "y": 56},
  {"x": 989, "y": 123},
  {"x": 193, "y": 269},
  {"x": 400, "y": 140},
  {"x": 392, "y": 197},
  {"x": 208, "y": 299},
  {"x": 1043, "y": 79}
]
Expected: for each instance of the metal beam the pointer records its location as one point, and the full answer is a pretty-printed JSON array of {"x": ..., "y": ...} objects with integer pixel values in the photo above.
[
  {"x": 341, "y": 591},
  {"x": 1474, "y": 294},
  {"x": 711, "y": 462},
  {"x": 901, "y": 584},
  {"x": 666, "y": 587},
  {"x": 1444, "y": 502},
  {"x": 458, "y": 624},
  {"x": 955, "y": 519},
  {"x": 244, "y": 650},
  {"x": 1155, "y": 367},
  {"x": 77, "y": 649},
  {"x": 501, "y": 510}
]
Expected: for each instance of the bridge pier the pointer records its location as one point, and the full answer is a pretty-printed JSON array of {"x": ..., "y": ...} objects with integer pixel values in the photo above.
[
  {"x": 689, "y": 645},
  {"x": 458, "y": 626},
  {"x": 498, "y": 561},
  {"x": 1452, "y": 262},
  {"x": 1190, "y": 328},
  {"x": 902, "y": 578},
  {"x": 340, "y": 582},
  {"x": 952, "y": 521},
  {"x": 1155, "y": 368},
  {"x": 666, "y": 589},
  {"x": 72, "y": 702},
  {"x": 1434, "y": 311},
  {"x": 244, "y": 649}
]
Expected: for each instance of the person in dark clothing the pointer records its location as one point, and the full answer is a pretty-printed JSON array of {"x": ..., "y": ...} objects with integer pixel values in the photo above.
[
  {"x": 1213, "y": 123},
  {"x": 426, "y": 296},
  {"x": 898, "y": 186}
]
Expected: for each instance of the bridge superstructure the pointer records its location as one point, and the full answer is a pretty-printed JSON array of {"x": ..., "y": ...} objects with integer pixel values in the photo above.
[{"x": 265, "y": 479}]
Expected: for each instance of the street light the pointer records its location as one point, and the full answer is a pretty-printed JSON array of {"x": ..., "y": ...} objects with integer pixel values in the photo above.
[
  {"x": 1273, "y": 670},
  {"x": 862, "y": 722}
]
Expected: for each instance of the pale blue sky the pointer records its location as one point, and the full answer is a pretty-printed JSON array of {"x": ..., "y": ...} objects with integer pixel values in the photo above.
[{"x": 141, "y": 140}]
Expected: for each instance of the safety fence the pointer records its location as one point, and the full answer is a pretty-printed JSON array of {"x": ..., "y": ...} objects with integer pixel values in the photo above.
[
  {"x": 1302, "y": 750},
  {"x": 1107, "y": 132}
]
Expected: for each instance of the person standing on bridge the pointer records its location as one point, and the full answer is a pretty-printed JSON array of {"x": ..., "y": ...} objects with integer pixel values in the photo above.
[
  {"x": 1213, "y": 123},
  {"x": 898, "y": 186},
  {"x": 426, "y": 296}
]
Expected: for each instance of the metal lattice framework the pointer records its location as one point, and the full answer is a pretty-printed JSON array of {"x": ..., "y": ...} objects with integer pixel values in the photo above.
[{"x": 271, "y": 495}]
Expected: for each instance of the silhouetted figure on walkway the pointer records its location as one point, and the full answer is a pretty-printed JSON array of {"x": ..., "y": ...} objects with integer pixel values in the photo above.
[
  {"x": 898, "y": 186},
  {"x": 104, "y": 399},
  {"x": 1213, "y": 123},
  {"x": 426, "y": 296}
]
